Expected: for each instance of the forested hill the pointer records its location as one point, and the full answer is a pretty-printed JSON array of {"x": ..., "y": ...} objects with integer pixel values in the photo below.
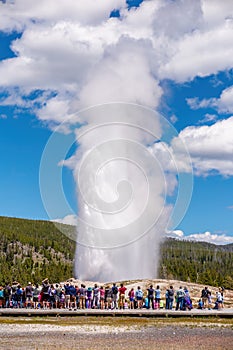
[
  {"x": 31, "y": 250},
  {"x": 198, "y": 262}
]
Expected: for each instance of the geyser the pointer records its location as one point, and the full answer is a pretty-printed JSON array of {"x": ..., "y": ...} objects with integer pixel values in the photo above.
[
  {"x": 134, "y": 182},
  {"x": 122, "y": 192}
]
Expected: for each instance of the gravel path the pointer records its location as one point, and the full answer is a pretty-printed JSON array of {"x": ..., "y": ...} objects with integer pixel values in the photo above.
[{"x": 172, "y": 337}]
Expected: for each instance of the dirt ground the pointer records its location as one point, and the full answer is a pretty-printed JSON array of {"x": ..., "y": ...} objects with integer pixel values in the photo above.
[{"x": 108, "y": 334}]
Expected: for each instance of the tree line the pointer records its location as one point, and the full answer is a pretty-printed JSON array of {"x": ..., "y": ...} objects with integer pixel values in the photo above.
[{"x": 31, "y": 250}]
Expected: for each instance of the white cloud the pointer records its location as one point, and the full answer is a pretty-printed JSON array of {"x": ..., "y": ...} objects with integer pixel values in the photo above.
[
  {"x": 171, "y": 22},
  {"x": 201, "y": 53},
  {"x": 3, "y": 116},
  {"x": 85, "y": 57},
  {"x": 82, "y": 58},
  {"x": 223, "y": 104},
  {"x": 67, "y": 220},
  {"x": 211, "y": 238},
  {"x": 175, "y": 234},
  {"x": 210, "y": 147},
  {"x": 17, "y": 14},
  {"x": 215, "y": 12},
  {"x": 218, "y": 239},
  {"x": 208, "y": 118}
]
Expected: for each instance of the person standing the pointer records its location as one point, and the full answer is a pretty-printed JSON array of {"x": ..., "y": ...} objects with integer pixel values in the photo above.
[
  {"x": 209, "y": 298},
  {"x": 157, "y": 297},
  {"x": 7, "y": 294},
  {"x": 45, "y": 292},
  {"x": 180, "y": 299},
  {"x": 108, "y": 298},
  {"x": 102, "y": 297},
  {"x": 114, "y": 296},
  {"x": 131, "y": 298},
  {"x": 35, "y": 296},
  {"x": 139, "y": 297},
  {"x": 204, "y": 297},
  {"x": 89, "y": 297},
  {"x": 96, "y": 297},
  {"x": 167, "y": 299},
  {"x": 122, "y": 291},
  {"x": 82, "y": 296},
  {"x": 57, "y": 295},
  {"x": 150, "y": 296},
  {"x": 73, "y": 294},
  {"x": 170, "y": 297},
  {"x": 219, "y": 298},
  {"x": 28, "y": 293},
  {"x": 67, "y": 295}
]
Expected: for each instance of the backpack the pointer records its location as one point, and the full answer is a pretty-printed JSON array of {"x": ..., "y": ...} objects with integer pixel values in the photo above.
[
  {"x": 204, "y": 293},
  {"x": 7, "y": 292},
  {"x": 114, "y": 290},
  {"x": 140, "y": 293},
  {"x": 45, "y": 289},
  {"x": 170, "y": 292},
  {"x": 19, "y": 292},
  {"x": 180, "y": 293}
]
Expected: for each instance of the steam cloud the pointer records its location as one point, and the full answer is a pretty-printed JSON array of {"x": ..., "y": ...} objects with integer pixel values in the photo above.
[{"x": 123, "y": 188}]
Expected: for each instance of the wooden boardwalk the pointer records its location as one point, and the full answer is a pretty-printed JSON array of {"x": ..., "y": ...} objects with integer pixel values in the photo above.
[{"x": 225, "y": 313}]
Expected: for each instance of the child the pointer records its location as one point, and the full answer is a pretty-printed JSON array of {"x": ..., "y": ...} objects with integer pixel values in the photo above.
[
  {"x": 200, "y": 304},
  {"x": 126, "y": 305}
]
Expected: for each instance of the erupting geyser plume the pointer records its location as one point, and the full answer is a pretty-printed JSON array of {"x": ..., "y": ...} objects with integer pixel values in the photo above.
[
  {"x": 121, "y": 191},
  {"x": 123, "y": 186},
  {"x": 133, "y": 182}
]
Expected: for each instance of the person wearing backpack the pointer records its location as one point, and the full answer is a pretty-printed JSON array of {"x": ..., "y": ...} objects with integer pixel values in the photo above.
[
  {"x": 180, "y": 299},
  {"x": 170, "y": 297},
  {"x": 150, "y": 296},
  {"x": 139, "y": 297},
  {"x": 114, "y": 296},
  {"x": 204, "y": 297},
  {"x": 19, "y": 297}
]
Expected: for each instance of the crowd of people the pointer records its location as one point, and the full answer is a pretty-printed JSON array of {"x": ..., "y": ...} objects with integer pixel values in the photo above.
[{"x": 71, "y": 296}]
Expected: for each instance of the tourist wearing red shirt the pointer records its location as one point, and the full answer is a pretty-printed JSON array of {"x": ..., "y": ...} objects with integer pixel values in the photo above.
[{"x": 122, "y": 291}]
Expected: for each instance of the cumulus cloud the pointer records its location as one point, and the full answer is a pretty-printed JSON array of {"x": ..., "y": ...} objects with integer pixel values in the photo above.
[
  {"x": 75, "y": 56},
  {"x": 218, "y": 239},
  {"x": 210, "y": 147},
  {"x": 67, "y": 49},
  {"x": 200, "y": 54},
  {"x": 223, "y": 104},
  {"x": 18, "y": 13}
]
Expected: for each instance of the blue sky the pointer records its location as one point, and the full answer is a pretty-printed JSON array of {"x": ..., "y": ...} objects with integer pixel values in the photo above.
[{"x": 187, "y": 75}]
